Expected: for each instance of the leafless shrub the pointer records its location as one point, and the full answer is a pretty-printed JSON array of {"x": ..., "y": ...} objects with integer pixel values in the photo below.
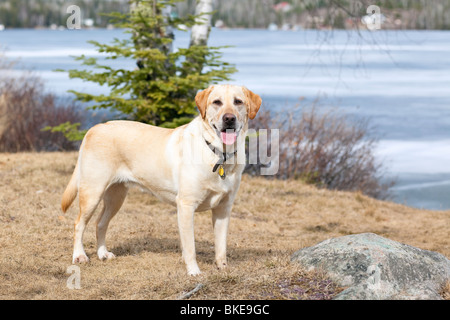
[
  {"x": 326, "y": 149},
  {"x": 25, "y": 109}
]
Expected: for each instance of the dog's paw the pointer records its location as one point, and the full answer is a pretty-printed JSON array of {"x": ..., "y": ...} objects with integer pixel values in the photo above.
[
  {"x": 221, "y": 265},
  {"x": 194, "y": 271},
  {"x": 82, "y": 258},
  {"x": 106, "y": 255}
]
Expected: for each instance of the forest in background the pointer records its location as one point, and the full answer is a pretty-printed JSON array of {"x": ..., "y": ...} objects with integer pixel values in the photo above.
[{"x": 298, "y": 14}]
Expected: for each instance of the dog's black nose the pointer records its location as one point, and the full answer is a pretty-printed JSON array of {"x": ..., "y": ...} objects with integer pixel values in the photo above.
[{"x": 229, "y": 119}]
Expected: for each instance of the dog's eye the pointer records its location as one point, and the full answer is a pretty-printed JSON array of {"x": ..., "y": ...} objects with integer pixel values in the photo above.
[
  {"x": 237, "y": 101},
  {"x": 217, "y": 102}
]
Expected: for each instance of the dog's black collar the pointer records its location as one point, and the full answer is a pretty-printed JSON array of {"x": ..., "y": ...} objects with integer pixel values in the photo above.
[{"x": 223, "y": 156}]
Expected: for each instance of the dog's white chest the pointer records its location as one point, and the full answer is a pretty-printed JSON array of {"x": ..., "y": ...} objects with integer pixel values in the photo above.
[
  {"x": 214, "y": 200},
  {"x": 217, "y": 193}
]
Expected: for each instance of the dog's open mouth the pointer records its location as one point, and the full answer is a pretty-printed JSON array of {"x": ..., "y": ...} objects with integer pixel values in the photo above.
[{"x": 228, "y": 136}]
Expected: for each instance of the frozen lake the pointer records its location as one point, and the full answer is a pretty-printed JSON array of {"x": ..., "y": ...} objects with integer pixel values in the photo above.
[{"x": 398, "y": 79}]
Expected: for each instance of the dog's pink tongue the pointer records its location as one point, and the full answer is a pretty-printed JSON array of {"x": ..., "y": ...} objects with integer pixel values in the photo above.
[{"x": 228, "y": 137}]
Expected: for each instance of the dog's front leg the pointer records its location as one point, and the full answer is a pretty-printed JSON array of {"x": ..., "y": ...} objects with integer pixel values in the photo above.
[
  {"x": 186, "y": 228},
  {"x": 221, "y": 219}
]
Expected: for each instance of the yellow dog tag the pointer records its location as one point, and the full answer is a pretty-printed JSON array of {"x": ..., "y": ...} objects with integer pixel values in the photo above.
[{"x": 221, "y": 172}]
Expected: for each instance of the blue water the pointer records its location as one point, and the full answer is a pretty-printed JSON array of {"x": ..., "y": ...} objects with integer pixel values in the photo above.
[{"x": 400, "y": 80}]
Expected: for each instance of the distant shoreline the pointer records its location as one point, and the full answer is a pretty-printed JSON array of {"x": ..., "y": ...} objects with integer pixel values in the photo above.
[{"x": 62, "y": 28}]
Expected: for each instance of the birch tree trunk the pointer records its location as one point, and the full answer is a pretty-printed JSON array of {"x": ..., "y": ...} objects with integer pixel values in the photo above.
[{"x": 200, "y": 31}]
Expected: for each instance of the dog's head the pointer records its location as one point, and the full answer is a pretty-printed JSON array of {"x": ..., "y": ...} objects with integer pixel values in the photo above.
[{"x": 227, "y": 108}]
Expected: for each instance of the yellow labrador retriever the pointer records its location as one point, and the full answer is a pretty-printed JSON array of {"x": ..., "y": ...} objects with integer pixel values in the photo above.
[{"x": 196, "y": 167}]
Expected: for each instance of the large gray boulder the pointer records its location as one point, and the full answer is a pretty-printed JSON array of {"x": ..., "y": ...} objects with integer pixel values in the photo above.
[{"x": 372, "y": 267}]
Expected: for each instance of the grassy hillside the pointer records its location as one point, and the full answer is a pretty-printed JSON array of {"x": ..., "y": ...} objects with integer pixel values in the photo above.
[{"x": 270, "y": 220}]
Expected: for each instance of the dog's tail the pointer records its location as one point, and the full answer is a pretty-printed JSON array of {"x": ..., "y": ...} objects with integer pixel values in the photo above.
[{"x": 72, "y": 188}]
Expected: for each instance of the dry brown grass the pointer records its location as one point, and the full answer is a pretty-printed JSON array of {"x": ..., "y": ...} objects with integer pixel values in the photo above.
[
  {"x": 270, "y": 220},
  {"x": 445, "y": 291}
]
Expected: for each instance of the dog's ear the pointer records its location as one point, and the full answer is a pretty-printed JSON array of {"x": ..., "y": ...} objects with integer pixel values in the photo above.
[
  {"x": 254, "y": 102},
  {"x": 201, "y": 100}
]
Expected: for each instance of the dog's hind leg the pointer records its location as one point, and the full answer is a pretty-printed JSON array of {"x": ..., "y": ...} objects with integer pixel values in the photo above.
[
  {"x": 89, "y": 200},
  {"x": 113, "y": 200}
]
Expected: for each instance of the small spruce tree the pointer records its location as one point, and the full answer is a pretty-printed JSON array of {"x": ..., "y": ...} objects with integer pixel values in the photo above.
[{"x": 161, "y": 89}]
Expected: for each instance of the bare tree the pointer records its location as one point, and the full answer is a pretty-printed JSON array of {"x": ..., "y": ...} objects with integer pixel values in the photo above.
[
  {"x": 26, "y": 109},
  {"x": 326, "y": 149}
]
